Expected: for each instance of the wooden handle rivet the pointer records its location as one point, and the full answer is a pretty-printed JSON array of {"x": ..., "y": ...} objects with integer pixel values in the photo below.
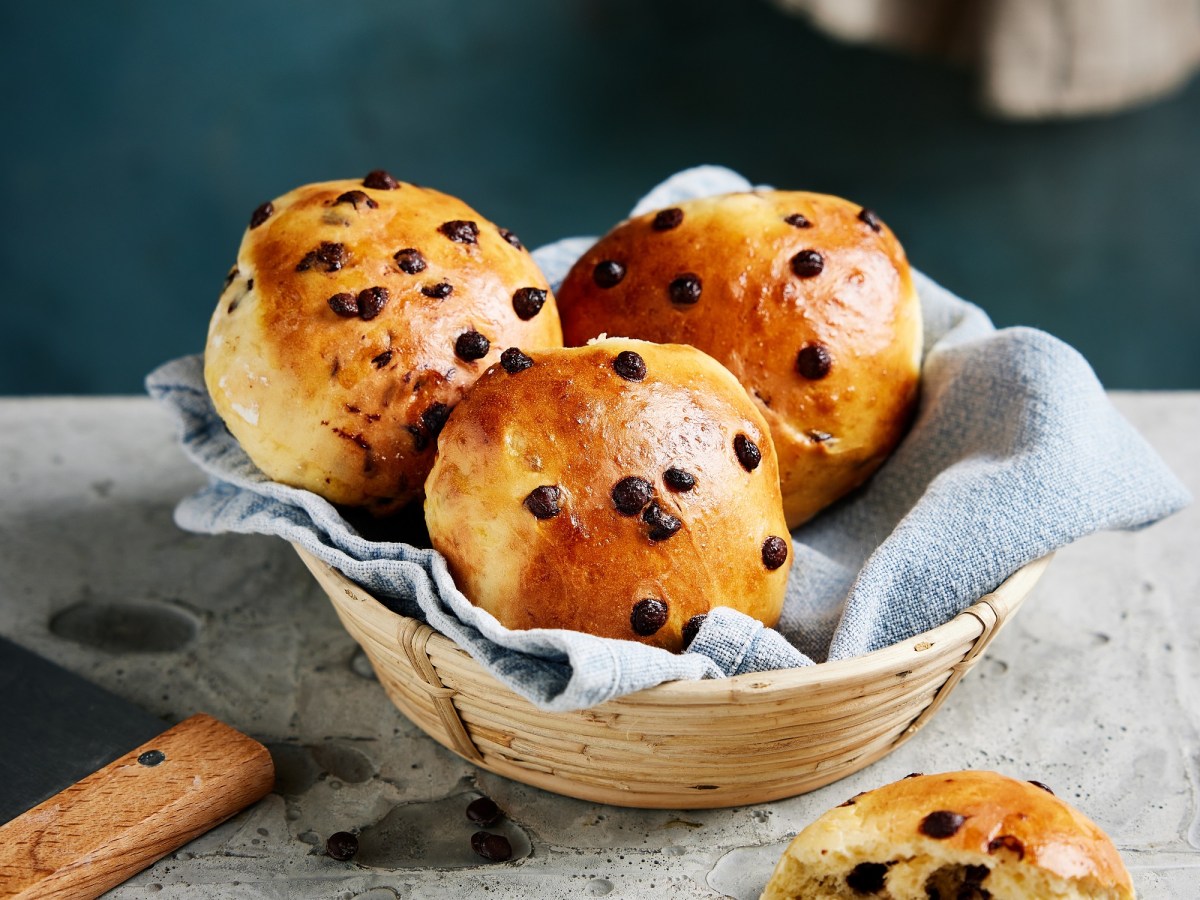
[{"x": 152, "y": 757}]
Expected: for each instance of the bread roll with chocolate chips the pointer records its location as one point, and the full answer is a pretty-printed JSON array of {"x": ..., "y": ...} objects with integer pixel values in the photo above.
[
  {"x": 957, "y": 835},
  {"x": 806, "y": 298},
  {"x": 622, "y": 488},
  {"x": 357, "y": 315}
]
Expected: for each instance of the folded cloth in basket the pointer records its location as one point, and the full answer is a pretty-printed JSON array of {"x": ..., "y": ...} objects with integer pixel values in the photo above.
[{"x": 1015, "y": 451}]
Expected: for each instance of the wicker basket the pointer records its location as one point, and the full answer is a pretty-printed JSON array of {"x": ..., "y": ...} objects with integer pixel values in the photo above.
[{"x": 685, "y": 744}]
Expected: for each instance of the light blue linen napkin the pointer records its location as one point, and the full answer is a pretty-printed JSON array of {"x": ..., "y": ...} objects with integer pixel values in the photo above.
[{"x": 1015, "y": 451}]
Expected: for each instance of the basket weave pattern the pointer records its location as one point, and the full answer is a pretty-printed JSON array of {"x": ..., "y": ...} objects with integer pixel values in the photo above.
[{"x": 686, "y": 744}]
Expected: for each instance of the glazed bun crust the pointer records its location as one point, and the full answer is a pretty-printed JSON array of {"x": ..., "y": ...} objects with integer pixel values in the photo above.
[
  {"x": 959, "y": 834},
  {"x": 348, "y": 402},
  {"x": 558, "y": 502},
  {"x": 754, "y": 279}
]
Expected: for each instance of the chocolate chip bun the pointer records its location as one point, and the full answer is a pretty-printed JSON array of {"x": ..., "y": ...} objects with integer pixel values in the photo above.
[
  {"x": 806, "y": 298},
  {"x": 357, "y": 315},
  {"x": 973, "y": 835},
  {"x": 622, "y": 488}
]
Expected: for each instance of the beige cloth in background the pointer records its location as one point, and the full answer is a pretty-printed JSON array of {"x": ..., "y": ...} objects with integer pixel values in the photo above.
[{"x": 1037, "y": 58}]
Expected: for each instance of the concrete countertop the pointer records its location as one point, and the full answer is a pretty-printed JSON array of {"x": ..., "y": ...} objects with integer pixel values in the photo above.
[{"x": 1094, "y": 689}]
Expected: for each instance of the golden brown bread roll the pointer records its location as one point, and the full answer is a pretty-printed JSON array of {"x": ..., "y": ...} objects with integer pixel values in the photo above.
[
  {"x": 806, "y": 298},
  {"x": 357, "y": 315},
  {"x": 622, "y": 488},
  {"x": 955, "y": 836}
]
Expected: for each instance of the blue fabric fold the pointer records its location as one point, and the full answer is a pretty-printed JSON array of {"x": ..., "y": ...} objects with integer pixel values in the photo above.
[{"x": 1015, "y": 452}]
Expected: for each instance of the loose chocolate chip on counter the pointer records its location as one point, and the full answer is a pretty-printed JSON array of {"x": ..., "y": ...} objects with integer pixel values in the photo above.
[
  {"x": 814, "y": 361},
  {"x": 345, "y": 305},
  {"x": 261, "y": 214},
  {"x": 543, "y": 501},
  {"x": 1044, "y": 787},
  {"x": 630, "y": 365},
  {"x": 514, "y": 361},
  {"x": 356, "y": 197},
  {"x": 371, "y": 302},
  {"x": 666, "y": 219},
  {"x": 435, "y": 418},
  {"x": 382, "y": 359},
  {"x": 461, "y": 231},
  {"x": 471, "y": 345},
  {"x": 511, "y": 238},
  {"x": 747, "y": 452},
  {"x": 774, "y": 552},
  {"x": 662, "y": 524},
  {"x": 380, "y": 180},
  {"x": 341, "y": 845},
  {"x": 648, "y": 617},
  {"x": 484, "y": 811},
  {"x": 494, "y": 847},
  {"x": 797, "y": 221},
  {"x": 808, "y": 263},
  {"x": 608, "y": 273},
  {"x": 631, "y": 494},
  {"x": 328, "y": 256},
  {"x": 438, "y": 291},
  {"x": 528, "y": 302},
  {"x": 410, "y": 260},
  {"x": 1008, "y": 842},
  {"x": 868, "y": 216},
  {"x": 867, "y": 878},
  {"x": 691, "y": 628},
  {"x": 685, "y": 290},
  {"x": 942, "y": 824},
  {"x": 679, "y": 479}
]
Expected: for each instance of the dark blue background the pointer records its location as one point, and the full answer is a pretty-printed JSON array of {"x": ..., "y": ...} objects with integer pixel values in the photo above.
[{"x": 139, "y": 135}]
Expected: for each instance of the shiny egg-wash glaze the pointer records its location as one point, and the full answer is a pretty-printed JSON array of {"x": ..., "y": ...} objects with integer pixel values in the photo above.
[
  {"x": 551, "y": 502},
  {"x": 806, "y": 298},
  {"x": 357, "y": 315}
]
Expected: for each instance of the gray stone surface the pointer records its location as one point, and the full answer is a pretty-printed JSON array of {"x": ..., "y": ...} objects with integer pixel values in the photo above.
[{"x": 1094, "y": 689}]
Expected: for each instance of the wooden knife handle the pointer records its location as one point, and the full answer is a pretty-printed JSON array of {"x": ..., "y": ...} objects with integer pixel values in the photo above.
[{"x": 112, "y": 824}]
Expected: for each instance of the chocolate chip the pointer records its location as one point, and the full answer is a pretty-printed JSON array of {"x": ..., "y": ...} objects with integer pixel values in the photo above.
[
  {"x": 691, "y": 628},
  {"x": 543, "y": 501},
  {"x": 1009, "y": 842},
  {"x": 382, "y": 359},
  {"x": 942, "y": 824},
  {"x": 493, "y": 847},
  {"x": 774, "y": 552},
  {"x": 747, "y": 452},
  {"x": 630, "y": 495},
  {"x": 471, "y": 345},
  {"x": 1044, "y": 787},
  {"x": 380, "y": 180},
  {"x": 630, "y": 365},
  {"x": 913, "y": 775},
  {"x": 511, "y": 238},
  {"x": 435, "y": 418},
  {"x": 410, "y": 260},
  {"x": 867, "y": 878},
  {"x": 797, "y": 221},
  {"x": 484, "y": 811},
  {"x": 345, "y": 305},
  {"x": 329, "y": 256},
  {"x": 356, "y": 197},
  {"x": 420, "y": 436},
  {"x": 528, "y": 301},
  {"x": 868, "y": 216},
  {"x": 608, "y": 273},
  {"x": 514, "y": 361},
  {"x": 685, "y": 290},
  {"x": 808, "y": 263},
  {"x": 852, "y": 800},
  {"x": 976, "y": 874},
  {"x": 662, "y": 524},
  {"x": 666, "y": 219},
  {"x": 371, "y": 302},
  {"x": 814, "y": 361},
  {"x": 461, "y": 231},
  {"x": 679, "y": 480},
  {"x": 648, "y": 617},
  {"x": 341, "y": 845},
  {"x": 261, "y": 214},
  {"x": 438, "y": 291}
]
